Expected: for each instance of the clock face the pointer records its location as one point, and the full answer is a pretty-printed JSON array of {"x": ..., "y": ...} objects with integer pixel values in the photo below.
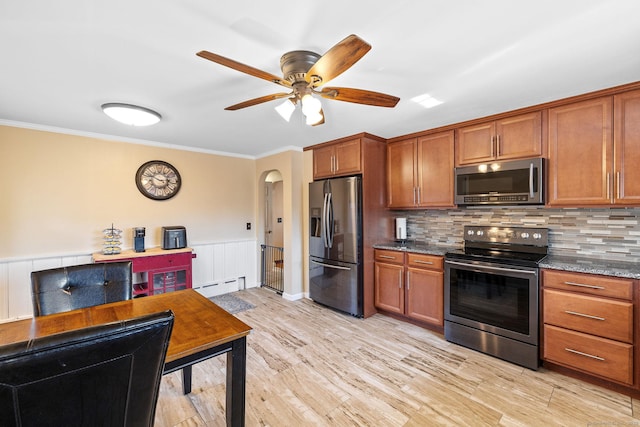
[{"x": 158, "y": 180}]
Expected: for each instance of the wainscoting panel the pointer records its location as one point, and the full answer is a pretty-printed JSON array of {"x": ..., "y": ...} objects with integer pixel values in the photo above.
[
  {"x": 219, "y": 268},
  {"x": 15, "y": 282}
]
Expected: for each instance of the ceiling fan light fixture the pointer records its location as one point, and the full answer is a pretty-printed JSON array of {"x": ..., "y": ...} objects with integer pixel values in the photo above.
[
  {"x": 310, "y": 106},
  {"x": 286, "y": 109},
  {"x": 132, "y": 115},
  {"x": 314, "y": 118}
]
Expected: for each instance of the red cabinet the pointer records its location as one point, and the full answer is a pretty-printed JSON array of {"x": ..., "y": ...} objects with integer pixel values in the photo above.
[{"x": 156, "y": 271}]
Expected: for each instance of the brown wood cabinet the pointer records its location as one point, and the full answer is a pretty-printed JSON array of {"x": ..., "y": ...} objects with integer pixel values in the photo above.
[
  {"x": 589, "y": 324},
  {"x": 420, "y": 171},
  {"x": 425, "y": 288},
  {"x": 363, "y": 154},
  {"x": 626, "y": 144},
  {"x": 411, "y": 285},
  {"x": 389, "y": 281},
  {"x": 339, "y": 159},
  {"x": 594, "y": 152},
  {"x": 513, "y": 137}
]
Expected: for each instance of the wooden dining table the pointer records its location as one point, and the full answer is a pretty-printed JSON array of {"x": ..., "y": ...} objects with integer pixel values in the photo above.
[{"x": 201, "y": 330}]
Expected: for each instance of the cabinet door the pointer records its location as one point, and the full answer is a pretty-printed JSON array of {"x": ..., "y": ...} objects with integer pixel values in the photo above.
[
  {"x": 323, "y": 159},
  {"x": 475, "y": 144},
  {"x": 389, "y": 289},
  {"x": 347, "y": 158},
  {"x": 519, "y": 136},
  {"x": 425, "y": 295},
  {"x": 627, "y": 148},
  {"x": 435, "y": 169},
  {"x": 401, "y": 174},
  {"x": 580, "y": 150},
  {"x": 168, "y": 280}
]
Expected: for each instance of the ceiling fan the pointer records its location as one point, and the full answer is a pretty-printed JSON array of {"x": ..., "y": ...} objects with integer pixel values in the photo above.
[{"x": 305, "y": 73}]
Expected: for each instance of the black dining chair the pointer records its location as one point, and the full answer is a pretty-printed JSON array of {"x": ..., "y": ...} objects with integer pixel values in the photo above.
[
  {"x": 106, "y": 375},
  {"x": 68, "y": 288}
]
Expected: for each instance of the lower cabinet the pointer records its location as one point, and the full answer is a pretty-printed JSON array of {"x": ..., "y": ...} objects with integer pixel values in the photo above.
[
  {"x": 589, "y": 324},
  {"x": 411, "y": 285}
]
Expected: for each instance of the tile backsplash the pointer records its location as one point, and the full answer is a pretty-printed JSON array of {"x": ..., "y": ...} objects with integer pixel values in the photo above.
[{"x": 612, "y": 234}]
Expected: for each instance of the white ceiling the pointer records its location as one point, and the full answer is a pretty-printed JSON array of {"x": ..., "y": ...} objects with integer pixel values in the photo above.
[{"x": 62, "y": 59}]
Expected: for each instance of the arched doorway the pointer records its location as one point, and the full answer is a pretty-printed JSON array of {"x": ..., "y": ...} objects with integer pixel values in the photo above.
[
  {"x": 272, "y": 251},
  {"x": 273, "y": 209}
]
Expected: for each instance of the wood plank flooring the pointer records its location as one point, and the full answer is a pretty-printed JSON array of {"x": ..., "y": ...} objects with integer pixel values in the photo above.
[{"x": 308, "y": 365}]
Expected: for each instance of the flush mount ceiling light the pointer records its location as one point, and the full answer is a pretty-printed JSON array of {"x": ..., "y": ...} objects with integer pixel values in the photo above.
[{"x": 132, "y": 115}]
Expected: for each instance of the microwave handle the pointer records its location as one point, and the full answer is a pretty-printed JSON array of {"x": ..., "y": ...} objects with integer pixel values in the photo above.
[{"x": 531, "y": 180}]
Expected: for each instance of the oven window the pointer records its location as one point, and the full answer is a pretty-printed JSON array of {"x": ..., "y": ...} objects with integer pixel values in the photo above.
[{"x": 496, "y": 300}]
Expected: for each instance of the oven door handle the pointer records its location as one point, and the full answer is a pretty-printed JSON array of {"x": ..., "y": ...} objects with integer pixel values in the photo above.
[{"x": 485, "y": 267}]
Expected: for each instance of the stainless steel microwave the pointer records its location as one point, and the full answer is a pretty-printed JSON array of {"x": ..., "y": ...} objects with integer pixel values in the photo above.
[{"x": 515, "y": 182}]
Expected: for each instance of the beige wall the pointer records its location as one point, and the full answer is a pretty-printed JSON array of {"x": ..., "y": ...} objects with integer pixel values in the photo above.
[
  {"x": 60, "y": 191},
  {"x": 290, "y": 164}
]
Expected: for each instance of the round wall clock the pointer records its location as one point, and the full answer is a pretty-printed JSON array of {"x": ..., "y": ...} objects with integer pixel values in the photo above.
[{"x": 158, "y": 180}]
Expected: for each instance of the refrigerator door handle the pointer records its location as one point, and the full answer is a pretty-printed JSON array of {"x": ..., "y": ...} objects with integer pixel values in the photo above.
[
  {"x": 337, "y": 267},
  {"x": 325, "y": 225},
  {"x": 330, "y": 220}
]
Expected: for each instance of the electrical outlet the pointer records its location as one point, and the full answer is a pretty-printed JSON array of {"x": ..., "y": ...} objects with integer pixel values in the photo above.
[{"x": 248, "y": 226}]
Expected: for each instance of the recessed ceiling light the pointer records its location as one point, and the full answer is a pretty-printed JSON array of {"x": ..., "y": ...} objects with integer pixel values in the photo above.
[
  {"x": 132, "y": 115},
  {"x": 426, "y": 100}
]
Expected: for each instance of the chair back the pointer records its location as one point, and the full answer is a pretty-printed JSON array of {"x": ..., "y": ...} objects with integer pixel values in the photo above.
[
  {"x": 79, "y": 286},
  {"x": 107, "y": 375}
]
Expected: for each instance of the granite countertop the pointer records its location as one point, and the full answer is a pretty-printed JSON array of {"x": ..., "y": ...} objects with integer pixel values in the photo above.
[
  {"x": 413, "y": 246},
  {"x": 592, "y": 266},
  {"x": 555, "y": 262}
]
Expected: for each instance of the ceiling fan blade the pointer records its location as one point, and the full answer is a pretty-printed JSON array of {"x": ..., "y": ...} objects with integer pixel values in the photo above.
[
  {"x": 257, "y": 101},
  {"x": 243, "y": 68},
  {"x": 359, "y": 96},
  {"x": 337, "y": 60}
]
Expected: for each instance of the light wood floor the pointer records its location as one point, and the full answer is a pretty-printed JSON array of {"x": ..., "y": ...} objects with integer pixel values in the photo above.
[{"x": 308, "y": 365}]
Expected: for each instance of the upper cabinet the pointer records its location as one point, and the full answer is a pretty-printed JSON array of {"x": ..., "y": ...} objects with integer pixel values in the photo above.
[
  {"x": 339, "y": 159},
  {"x": 594, "y": 152},
  {"x": 420, "y": 171},
  {"x": 626, "y": 143},
  {"x": 508, "y": 138}
]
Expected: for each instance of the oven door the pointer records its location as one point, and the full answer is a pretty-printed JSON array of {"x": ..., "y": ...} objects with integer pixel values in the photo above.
[{"x": 495, "y": 298}]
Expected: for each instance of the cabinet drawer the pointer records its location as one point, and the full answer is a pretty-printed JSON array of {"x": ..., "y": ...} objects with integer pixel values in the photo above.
[
  {"x": 588, "y": 283},
  {"x": 598, "y": 316},
  {"x": 433, "y": 262},
  {"x": 395, "y": 257},
  {"x": 600, "y": 356},
  {"x": 161, "y": 261}
]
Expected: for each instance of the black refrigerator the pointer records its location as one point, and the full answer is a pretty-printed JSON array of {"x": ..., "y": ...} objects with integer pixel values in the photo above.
[{"x": 335, "y": 244}]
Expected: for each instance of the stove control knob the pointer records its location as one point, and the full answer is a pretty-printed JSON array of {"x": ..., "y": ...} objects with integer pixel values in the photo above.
[
  {"x": 524, "y": 235},
  {"x": 537, "y": 236},
  {"x": 480, "y": 233},
  {"x": 470, "y": 232}
]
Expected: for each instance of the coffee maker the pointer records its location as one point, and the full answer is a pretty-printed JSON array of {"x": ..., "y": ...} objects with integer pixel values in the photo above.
[{"x": 138, "y": 239}]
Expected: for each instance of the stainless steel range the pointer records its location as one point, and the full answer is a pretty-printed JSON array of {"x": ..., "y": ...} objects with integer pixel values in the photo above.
[{"x": 492, "y": 289}]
